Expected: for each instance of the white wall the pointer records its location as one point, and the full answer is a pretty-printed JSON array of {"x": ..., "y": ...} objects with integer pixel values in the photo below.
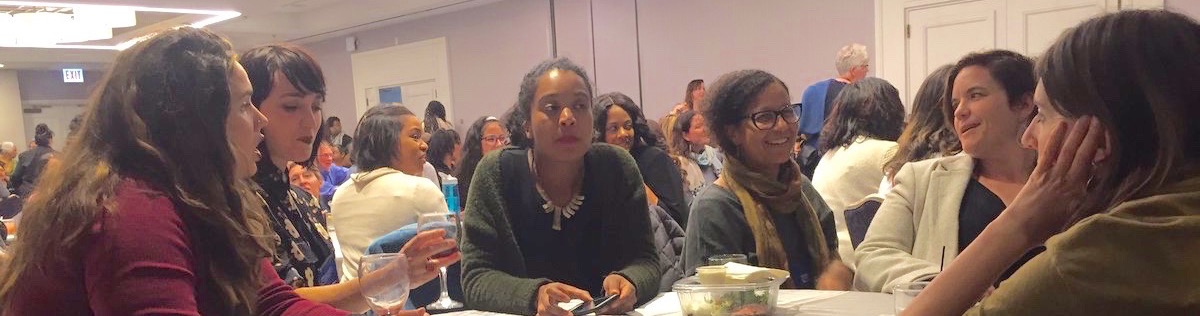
[{"x": 12, "y": 124}]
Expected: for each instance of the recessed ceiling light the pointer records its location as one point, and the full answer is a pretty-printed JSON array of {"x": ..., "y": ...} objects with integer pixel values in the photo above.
[
  {"x": 215, "y": 17},
  {"x": 1, "y": 65}
]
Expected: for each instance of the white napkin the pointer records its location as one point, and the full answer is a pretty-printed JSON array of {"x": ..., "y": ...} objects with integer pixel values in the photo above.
[{"x": 740, "y": 273}]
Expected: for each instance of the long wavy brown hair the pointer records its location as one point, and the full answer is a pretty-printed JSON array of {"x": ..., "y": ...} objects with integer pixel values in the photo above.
[
  {"x": 929, "y": 133},
  {"x": 1137, "y": 87},
  {"x": 159, "y": 117}
]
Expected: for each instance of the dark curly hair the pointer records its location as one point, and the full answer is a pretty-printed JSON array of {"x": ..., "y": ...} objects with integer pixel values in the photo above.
[
  {"x": 520, "y": 113},
  {"x": 727, "y": 100},
  {"x": 869, "y": 107},
  {"x": 641, "y": 131},
  {"x": 441, "y": 144}
]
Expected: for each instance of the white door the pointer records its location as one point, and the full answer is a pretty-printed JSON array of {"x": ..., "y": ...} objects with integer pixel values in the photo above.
[
  {"x": 1035, "y": 24},
  {"x": 418, "y": 94},
  {"x": 941, "y": 34},
  {"x": 412, "y": 95},
  {"x": 57, "y": 118}
]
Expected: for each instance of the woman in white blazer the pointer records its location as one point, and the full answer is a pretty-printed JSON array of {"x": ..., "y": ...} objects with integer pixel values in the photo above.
[
  {"x": 859, "y": 136},
  {"x": 942, "y": 204}
]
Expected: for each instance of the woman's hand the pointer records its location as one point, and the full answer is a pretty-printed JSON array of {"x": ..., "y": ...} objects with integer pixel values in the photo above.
[
  {"x": 1050, "y": 199},
  {"x": 615, "y": 284},
  {"x": 549, "y": 295},
  {"x": 836, "y": 277},
  {"x": 420, "y": 250}
]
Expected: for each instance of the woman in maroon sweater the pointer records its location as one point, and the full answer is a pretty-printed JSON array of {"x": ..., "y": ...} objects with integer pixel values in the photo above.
[{"x": 147, "y": 211}]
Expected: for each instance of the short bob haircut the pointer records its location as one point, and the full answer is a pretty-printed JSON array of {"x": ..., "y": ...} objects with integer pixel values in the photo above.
[
  {"x": 642, "y": 137},
  {"x": 870, "y": 107},
  {"x": 520, "y": 113},
  {"x": 376, "y": 135},
  {"x": 728, "y": 100},
  {"x": 300, "y": 69}
]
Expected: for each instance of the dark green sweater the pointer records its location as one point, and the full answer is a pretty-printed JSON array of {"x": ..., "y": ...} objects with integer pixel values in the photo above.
[{"x": 509, "y": 248}]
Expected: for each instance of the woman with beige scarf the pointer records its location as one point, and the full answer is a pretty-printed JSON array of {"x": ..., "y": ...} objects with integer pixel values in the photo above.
[{"x": 762, "y": 206}]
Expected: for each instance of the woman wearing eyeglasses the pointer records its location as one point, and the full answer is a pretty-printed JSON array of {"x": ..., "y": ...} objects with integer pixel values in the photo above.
[
  {"x": 485, "y": 135},
  {"x": 858, "y": 138},
  {"x": 762, "y": 206}
]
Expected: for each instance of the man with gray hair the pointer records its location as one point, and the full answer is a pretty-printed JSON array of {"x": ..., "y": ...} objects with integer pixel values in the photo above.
[
  {"x": 8, "y": 153},
  {"x": 852, "y": 65}
]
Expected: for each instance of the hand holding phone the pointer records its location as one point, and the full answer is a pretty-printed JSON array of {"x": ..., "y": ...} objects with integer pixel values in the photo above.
[{"x": 579, "y": 307}]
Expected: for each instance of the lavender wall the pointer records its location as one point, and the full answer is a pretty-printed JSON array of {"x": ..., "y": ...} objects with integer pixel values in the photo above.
[
  {"x": 1189, "y": 7},
  {"x": 49, "y": 85},
  {"x": 490, "y": 47},
  {"x": 795, "y": 40}
]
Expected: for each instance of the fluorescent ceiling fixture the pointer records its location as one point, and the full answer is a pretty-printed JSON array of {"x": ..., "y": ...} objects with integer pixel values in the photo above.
[{"x": 216, "y": 16}]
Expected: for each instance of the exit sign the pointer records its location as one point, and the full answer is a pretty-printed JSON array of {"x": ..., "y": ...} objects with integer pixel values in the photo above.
[{"x": 72, "y": 75}]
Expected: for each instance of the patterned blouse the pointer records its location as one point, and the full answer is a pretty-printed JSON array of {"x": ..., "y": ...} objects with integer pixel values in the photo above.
[{"x": 302, "y": 246}]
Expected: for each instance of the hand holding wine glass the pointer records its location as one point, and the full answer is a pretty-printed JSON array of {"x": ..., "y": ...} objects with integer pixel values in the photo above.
[
  {"x": 422, "y": 255},
  {"x": 383, "y": 281},
  {"x": 446, "y": 223}
]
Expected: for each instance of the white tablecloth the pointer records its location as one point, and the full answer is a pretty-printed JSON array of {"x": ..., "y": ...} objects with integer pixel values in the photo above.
[{"x": 791, "y": 302}]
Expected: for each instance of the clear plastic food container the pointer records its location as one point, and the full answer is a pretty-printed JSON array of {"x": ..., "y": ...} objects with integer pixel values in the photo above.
[{"x": 745, "y": 299}]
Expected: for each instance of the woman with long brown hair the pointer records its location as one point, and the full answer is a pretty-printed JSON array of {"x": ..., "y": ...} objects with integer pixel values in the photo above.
[
  {"x": 1115, "y": 196},
  {"x": 928, "y": 134},
  {"x": 147, "y": 211}
]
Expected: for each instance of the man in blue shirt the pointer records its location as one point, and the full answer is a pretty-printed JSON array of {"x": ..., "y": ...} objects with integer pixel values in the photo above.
[
  {"x": 852, "y": 65},
  {"x": 332, "y": 174}
]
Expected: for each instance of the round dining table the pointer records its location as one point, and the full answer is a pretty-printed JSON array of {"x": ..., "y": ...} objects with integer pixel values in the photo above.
[{"x": 790, "y": 302}]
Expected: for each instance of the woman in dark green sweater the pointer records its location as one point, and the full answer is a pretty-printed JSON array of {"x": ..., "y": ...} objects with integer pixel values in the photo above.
[{"x": 555, "y": 217}]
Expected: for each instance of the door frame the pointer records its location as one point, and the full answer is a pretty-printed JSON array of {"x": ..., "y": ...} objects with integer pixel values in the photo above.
[{"x": 891, "y": 51}]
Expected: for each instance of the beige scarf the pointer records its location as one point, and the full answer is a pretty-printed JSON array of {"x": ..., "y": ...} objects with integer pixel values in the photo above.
[{"x": 756, "y": 192}]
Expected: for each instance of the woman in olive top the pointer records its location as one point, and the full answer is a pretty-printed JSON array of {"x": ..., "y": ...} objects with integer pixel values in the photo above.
[
  {"x": 762, "y": 206},
  {"x": 1116, "y": 200},
  {"x": 556, "y": 217}
]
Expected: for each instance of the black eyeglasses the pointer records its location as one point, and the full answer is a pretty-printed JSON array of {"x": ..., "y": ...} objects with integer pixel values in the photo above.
[{"x": 767, "y": 119}]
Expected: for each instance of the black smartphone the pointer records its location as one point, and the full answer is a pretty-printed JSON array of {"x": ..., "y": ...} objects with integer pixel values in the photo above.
[{"x": 597, "y": 304}]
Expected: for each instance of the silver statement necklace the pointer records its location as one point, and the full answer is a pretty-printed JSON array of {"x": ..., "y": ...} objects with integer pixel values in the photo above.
[{"x": 559, "y": 212}]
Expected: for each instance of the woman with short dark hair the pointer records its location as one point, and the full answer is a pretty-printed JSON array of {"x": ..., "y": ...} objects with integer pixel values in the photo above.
[
  {"x": 1115, "y": 196},
  {"x": 289, "y": 89},
  {"x": 762, "y": 206},
  {"x": 939, "y": 206},
  {"x": 557, "y": 217},
  {"x": 388, "y": 192}
]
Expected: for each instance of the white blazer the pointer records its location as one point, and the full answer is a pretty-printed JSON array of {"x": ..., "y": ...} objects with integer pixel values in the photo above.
[{"x": 918, "y": 218}]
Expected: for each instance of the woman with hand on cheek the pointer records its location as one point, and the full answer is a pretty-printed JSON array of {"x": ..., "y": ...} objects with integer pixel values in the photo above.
[
  {"x": 556, "y": 217},
  {"x": 1115, "y": 196}
]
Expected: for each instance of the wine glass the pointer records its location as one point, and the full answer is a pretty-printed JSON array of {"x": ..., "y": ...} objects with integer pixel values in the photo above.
[
  {"x": 384, "y": 281},
  {"x": 449, "y": 222}
]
